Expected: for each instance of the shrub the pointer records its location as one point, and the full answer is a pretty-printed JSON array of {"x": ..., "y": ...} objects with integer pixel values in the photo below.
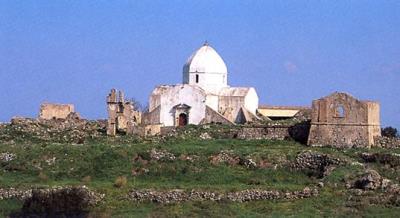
[
  {"x": 42, "y": 176},
  {"x": 120, "y": 181},
  {"x": 390, "y": 132},
  {"x": 86, "y": 179}
]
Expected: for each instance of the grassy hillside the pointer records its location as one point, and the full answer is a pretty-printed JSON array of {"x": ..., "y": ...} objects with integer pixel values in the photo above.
[{"x": 102, "y": 164}]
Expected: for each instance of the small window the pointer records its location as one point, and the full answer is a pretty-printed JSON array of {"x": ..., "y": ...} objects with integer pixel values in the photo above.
[
  {"x": 340, "y": 111},
  {"x": 197, "y": 78}
]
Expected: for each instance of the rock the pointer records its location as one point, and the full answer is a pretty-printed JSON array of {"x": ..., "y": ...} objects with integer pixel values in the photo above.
[
  {"x": 205, "y": 135},
  {"x": 371, "y": 180},
  {"x": 7, "y": 157}
]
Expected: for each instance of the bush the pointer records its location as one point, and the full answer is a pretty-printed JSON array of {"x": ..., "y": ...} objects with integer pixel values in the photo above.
[
  {"x": 86, "y": 179},
  {"x": 120, "y": 181},
  {"x": 43, "y": 177},
  {"x": 390, "y": 132}
]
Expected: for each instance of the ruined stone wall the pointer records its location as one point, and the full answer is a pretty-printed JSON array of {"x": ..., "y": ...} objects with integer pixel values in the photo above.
[
  {"x": 122, "y": 114},
  {"x": 340, "y": 120},
  {"x": 152, "y": 117},
  {"x": 55, "y": 111},
  {"x": 214, "y": 117},
  {"x": 386, "y": 142}
]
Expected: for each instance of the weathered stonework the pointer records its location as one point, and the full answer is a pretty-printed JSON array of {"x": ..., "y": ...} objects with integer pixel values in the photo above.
[
  {"x": 386, "y": 142},
  {"x": 55, "y": 111},
  {"x": 122, "y": 115},
  {"x": 340, "y": 120}
]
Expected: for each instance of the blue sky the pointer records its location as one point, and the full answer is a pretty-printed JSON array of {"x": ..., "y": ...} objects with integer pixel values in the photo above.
[{"x": 291, "y": 51}]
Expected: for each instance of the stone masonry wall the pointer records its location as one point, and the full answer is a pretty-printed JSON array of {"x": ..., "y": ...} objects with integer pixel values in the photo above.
[
  {"x": 55, "y": 111},
  {"x": 386, "y": 142}
]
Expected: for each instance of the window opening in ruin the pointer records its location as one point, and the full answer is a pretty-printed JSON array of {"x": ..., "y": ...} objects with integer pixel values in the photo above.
[
  {"x": 183, "y": 119},
  {"x": 197, "y": 78},
  {"x": 340, "y": 111}
]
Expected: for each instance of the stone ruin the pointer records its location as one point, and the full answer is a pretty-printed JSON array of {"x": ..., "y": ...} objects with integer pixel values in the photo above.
[
  {"x": 55, "y": 111},
  {"x": 340, "y": 120},
  {"x": 122, "y": 114}
]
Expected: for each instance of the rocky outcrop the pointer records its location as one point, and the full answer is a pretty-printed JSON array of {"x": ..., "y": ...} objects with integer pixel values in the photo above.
[
  {"x": 177, "y": 195},
  {"x": 315, "y": 164},
  {"x": 370, "y": 180}
]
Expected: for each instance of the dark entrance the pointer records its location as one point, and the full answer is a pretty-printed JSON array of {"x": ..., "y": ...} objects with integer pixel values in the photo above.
[{"x": 183, "y": 121}]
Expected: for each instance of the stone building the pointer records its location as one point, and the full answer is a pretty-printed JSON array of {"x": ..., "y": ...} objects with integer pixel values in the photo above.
[
  {"x": 203, "y": 97},
  {"x": 55, "y": 111},
  {"x": 340, "y": 120},
  {"x": 122, "y": 115}
]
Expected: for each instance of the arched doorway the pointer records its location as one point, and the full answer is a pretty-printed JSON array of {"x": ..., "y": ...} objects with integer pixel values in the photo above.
[{"x": 183, "y": 119}]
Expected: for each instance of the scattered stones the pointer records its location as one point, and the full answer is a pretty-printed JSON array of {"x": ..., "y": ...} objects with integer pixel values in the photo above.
[
  {"x": 190, "y": 158},
  {"x": 205, "y": 135},
  {"x": 7, "y": 157},
  {"x": 229, "y": 157},
  {"x": 317, "y": 164},
  {"x": 248, "y": 163},
  {"x": 225, "y": 156},
  {"x": 161, "y": 155},
  {"x": 178, "y": 195}
]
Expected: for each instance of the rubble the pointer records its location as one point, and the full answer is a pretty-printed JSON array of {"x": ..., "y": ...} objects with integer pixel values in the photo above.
[
  {"x": 161, "y": 155},
  {"x": 317, "y": 164},
  {"x": 69, "y": 130},
  {"x": 391, "y": 159}
]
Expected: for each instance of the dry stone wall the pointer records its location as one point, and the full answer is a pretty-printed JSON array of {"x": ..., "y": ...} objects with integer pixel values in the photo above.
[{"x": 387, "y": 142}]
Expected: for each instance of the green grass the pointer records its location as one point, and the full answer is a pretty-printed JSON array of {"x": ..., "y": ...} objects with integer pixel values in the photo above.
[{"x": 104, "y": 159}]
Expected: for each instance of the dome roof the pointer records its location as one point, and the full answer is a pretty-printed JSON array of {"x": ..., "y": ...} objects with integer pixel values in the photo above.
[{"x": 205, "y": 60}]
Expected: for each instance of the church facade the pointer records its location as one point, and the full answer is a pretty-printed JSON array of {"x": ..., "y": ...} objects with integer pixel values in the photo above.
[{"x": 204, "y": 95}]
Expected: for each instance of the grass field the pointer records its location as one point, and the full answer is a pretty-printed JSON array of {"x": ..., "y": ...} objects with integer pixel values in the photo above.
[{"x": 99, "y": 162}]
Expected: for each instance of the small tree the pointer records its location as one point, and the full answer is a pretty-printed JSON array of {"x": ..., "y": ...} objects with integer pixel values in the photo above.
[{"x": 390, "y": 132}]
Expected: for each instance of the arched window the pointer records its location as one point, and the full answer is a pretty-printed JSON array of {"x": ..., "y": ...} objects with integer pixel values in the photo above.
[
  {"x": 197, "y": 78},
  {"x": 340, "y": 111}
]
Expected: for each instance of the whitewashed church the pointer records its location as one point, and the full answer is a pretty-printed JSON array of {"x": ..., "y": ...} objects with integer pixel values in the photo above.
[{"x": 204, "y": 95}]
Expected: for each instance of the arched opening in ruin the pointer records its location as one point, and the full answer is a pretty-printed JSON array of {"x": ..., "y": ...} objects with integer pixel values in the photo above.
[
  {"x": 340, "y": 111},
  {"x": 183, "y": 119}
]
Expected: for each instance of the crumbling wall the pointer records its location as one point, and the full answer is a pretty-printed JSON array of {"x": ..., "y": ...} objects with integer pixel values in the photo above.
[
  {"x": 55, "y": 111},
  {"x": 340, "y": 120},
  {"x": 122, "y": 114},
  {"x": 387, "y": 142},
  {"x": 213, "y": 116}
]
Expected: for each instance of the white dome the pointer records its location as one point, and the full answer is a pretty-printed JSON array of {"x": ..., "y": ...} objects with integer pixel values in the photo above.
[{"x": 205, "y": 60}]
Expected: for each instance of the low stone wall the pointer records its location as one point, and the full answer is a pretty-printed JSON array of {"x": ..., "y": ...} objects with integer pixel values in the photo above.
[
  {"x": 177, "y": 195},
  {"x": 386, "y": 142}
]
